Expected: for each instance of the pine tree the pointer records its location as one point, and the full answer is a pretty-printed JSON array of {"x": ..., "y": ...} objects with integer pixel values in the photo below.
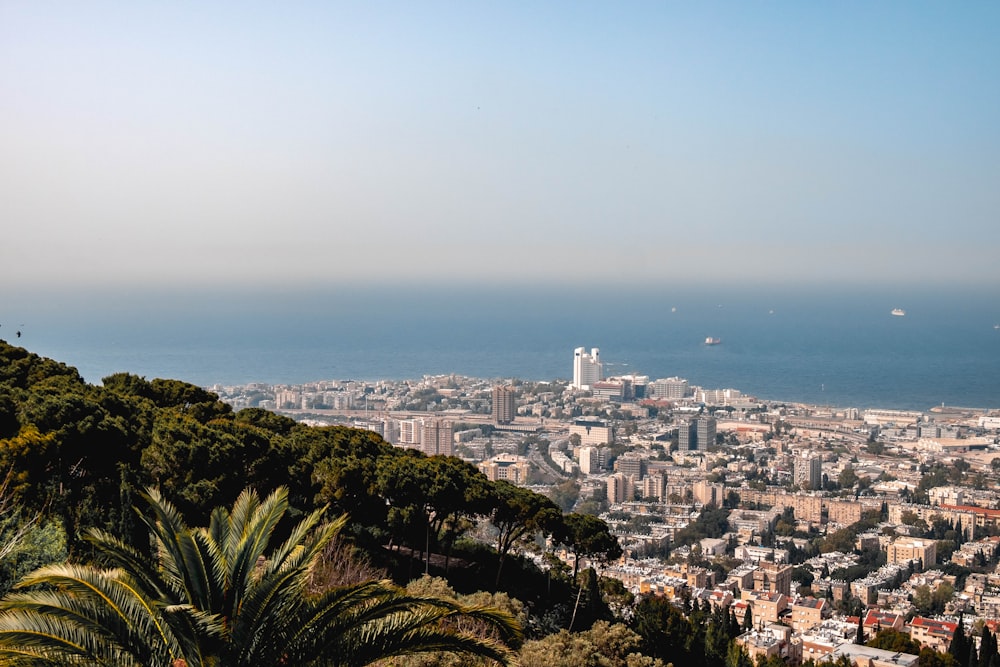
[
  {"x": 959, "y": 648},
  {"x": 747, "y": 620},
  {"x": 860, "y": 638},
  {"x": 717, "y": 638},
  {"x": 987, "y": 647}
]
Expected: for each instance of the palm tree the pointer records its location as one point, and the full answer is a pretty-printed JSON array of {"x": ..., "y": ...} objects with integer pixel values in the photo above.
[{"x": 215, "y": 597}]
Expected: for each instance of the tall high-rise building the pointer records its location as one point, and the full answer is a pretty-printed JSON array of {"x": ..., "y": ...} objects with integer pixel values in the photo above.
[
  {"x": 437, "y": 437},
  {"x": 503, "y": 405},
  {"x": 808, "y": 470},
  {"x": 706, "y": 432},
  {"x": 687, "y": 436},
  {"x": 587, "y": 368},
  {"x": 696, "y": 434},
  {"x": 390, "y": 430}
]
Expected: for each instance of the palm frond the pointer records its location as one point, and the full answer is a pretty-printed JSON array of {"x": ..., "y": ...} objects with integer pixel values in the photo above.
[
  {"x": 184, "y": 565},
  {"x": 77, "y": 612}
]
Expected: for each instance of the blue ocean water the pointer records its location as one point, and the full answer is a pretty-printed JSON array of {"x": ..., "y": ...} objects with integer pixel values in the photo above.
[{"x": 834, "y": 347}]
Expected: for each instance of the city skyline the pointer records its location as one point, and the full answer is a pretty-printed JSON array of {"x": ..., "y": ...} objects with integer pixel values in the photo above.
[{"x": 571, "y": 143}]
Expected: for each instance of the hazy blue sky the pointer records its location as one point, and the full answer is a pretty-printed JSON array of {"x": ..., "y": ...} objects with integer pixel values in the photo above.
[{"x": 675, "y": 142}]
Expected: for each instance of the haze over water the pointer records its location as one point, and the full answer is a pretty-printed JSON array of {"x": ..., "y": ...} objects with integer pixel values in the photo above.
[{"x": 841, "y": 348}]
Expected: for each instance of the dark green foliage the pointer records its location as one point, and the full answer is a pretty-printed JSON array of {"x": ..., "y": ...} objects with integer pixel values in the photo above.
[
  {"x": 888, "y": 639},
  {"x": 79, "y": 453},
  {"x": 339, "y": 466},
  {"x": 663, "y": 628},
  {"x": 717, "y": 637},
  {"x": 267, "y": 420},
  {"x": 928, "y": 657},
  {"x": 959, "y": 649},
  {"x": 747, "y": 625},
  {"x": 712, "y": 522},
  {"x": 987, "y": 648},
  {"x": 589, "y": 606},
  {"x": 9, "y": 424},
  {"x": 22, "y": 369}
]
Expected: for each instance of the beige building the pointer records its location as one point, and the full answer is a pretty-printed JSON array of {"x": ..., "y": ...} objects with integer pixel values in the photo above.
[
  {"x": 772, "y": 641},
  {"x": 503, "y": 405},
  {"x": 621, "y": 488},
  {"x": 808, "y": 613},
  {"x": 765, "y": 607},
  {"x": 510, "y": 467},
  {"x": 773, "y": 577},
  {"x": 843, "y": 512},
  {"x": 590, "y": 460},
  {"x": 932, "y": 633},
  {"x": 905, "y": 549},
  {"x": 708, "y": 494},
  {"x": 437, "y": 437},
  {"x": 655, "y": 486},
  {"x": 592, "y": 431}
]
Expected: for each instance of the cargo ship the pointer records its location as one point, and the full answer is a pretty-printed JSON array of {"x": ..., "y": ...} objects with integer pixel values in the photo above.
[{"x": 712, "y": 341}]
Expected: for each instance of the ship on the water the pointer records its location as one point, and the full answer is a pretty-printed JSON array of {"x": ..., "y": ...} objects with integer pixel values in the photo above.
[
  {"x": 712, "y": 341},
  {"x": 898, "y": 312}
]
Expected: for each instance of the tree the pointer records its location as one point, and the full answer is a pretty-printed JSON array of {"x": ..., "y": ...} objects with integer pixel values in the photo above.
[
  {"x": 847, "y": 478},
  {"x": 736, "y": 656},
  {"x": 987, "y": 648},
  {"x": 717, "y": 638},
  {"x": 428, "y": 495},
  {"x": 928, "y": 657},
  {"x": 663, "y": 628},
  {"x": 604, "y": 645},
  {"x": 959, "y": 648},
  {"x": 587, "y": 535},
  {"x": 517, "y": 513},
  {"x": 26, "y": 542},
  {"x": 888, "y": 639},
  {"x": 217, "y": 596}
]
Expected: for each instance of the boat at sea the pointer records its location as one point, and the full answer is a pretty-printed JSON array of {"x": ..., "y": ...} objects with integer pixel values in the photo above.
[
  {"x": 898, "y": 312},
  {"x": 712, "y": 341}
]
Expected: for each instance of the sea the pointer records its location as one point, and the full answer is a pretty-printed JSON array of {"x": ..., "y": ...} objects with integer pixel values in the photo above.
[{"x": 839, "y": 347}]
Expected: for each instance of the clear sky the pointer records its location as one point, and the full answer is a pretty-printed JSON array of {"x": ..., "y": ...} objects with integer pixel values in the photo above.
[{"x": 307, "y": 143}]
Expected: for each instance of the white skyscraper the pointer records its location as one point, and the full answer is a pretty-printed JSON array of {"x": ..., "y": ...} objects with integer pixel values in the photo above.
[{"x": 587, "y": 368}]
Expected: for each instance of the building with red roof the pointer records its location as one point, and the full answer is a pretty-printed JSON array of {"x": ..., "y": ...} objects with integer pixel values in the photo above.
[{"x": 932, "y": 633}]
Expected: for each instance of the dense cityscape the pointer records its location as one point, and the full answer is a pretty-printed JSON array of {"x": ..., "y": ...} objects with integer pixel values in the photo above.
[{"x": 810, "y": 524}]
